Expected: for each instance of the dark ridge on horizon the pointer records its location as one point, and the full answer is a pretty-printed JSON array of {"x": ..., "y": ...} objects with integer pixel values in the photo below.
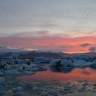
[{"x": 33, "y": 54}]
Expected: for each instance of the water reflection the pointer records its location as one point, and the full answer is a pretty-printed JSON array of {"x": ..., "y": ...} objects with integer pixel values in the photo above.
[
  {"x": 67, "y": 70},
  {"x": 57, "y": 69},
  {"x": 93, "y": 67},
  {"x": 87, "y": 73}
]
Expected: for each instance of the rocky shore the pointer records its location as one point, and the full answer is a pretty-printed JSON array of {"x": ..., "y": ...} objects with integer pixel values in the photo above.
[{"x": 44, "y": 88}]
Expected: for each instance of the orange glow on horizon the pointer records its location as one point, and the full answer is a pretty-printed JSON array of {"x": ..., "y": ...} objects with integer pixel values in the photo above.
[
  {"x": 76, "y": 52},
  {"x": 61, "y": 44}
]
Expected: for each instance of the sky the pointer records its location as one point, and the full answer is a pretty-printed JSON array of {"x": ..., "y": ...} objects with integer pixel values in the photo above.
[{"x": 57, "y": 25}]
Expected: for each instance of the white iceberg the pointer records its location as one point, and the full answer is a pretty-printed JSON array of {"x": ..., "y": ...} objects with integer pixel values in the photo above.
[{"x": 83, "y": 63}]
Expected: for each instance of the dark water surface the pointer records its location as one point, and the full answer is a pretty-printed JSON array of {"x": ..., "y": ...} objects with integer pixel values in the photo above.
[{"x": 53, "y": 74}]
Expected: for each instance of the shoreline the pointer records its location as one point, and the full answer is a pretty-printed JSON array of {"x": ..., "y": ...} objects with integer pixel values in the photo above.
[{"x": 53, "y": 88}]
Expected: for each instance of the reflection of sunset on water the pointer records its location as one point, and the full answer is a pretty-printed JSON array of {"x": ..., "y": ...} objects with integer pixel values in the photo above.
[{"x": 76, "y": 74}]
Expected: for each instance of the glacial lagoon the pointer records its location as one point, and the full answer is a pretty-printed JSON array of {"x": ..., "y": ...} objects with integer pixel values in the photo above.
[
  {"x": 53, "y": 82},
  {"x": 69, "y": 74}
]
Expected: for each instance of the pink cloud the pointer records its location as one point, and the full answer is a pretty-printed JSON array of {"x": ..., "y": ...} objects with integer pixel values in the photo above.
[{"x": 60, "y": 43}]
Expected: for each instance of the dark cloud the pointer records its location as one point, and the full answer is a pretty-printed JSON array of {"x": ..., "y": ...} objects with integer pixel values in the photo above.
[
  {"x": 92, "y": 49},
  {"x": 85, "y": 44},
  {"x": 42, "y": 33},
  {"x": 31, "y": 34}
]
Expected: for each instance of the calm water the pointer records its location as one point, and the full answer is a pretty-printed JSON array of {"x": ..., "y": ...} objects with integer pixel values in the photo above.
[{"x": 53, "y": 74}]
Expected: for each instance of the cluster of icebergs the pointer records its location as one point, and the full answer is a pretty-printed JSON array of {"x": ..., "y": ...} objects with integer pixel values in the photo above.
[
  {"x": 76, "y": 61},
  {"x": 69, "y": 63},
  {"x": 14, "y": 64},
  {"x": 73, "y": 61}
]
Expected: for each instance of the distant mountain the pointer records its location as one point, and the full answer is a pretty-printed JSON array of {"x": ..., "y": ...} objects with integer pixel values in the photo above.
[
  {"x": 32, "y": 54},
  {"x": 87, "y": 53},
  {"x": 6, "y": 49},
  {"x": 2, "y": 55},
  {"x": 42, "y": 54}
]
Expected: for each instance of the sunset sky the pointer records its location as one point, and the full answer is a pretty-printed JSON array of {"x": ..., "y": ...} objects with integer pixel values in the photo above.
[{"x": 56, "y": 25}]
